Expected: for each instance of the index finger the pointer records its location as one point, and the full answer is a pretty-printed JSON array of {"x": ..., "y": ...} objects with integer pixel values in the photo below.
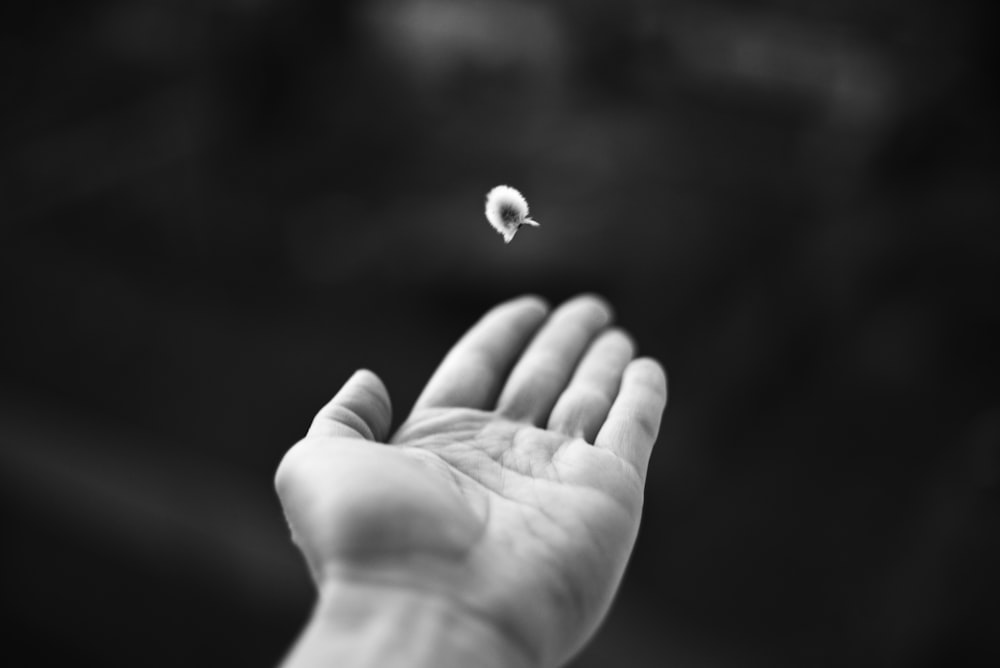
[{"x": 471, "y": 374}]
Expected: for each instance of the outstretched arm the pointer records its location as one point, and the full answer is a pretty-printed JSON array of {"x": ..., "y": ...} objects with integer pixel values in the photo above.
[{"x": 493, "y": 528}]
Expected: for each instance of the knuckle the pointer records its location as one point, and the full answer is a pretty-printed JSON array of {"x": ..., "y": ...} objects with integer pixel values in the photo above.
[
  {"x": 647, "y": 424},
  {"x": 350, "y": 418}
]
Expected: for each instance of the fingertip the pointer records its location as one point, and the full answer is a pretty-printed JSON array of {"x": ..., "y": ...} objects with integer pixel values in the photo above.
[
  {"x": 603, "y": 312},
  {"x": 530, "y": 300},
  {"x": 649, "y": 370},
  {"x": 364, "y": 375},
  {"x": 525, "y": 313},
  {"x": 621, "y": 335},
  {"x": 360, "y": 408},
  {"x": 369, "y": 382},
  {"x": 528, "y": 306},
  {"x": 597, "y": 299}
]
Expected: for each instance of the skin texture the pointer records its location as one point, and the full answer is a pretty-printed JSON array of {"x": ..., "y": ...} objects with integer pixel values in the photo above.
[{"x": 512, "y": 493}]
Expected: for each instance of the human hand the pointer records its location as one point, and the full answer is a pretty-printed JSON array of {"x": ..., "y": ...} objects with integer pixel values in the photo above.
[{"x": 511, "y": 494}]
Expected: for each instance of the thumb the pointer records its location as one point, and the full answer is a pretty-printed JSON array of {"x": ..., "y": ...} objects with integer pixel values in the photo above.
[{"x": 361, "y": 409}]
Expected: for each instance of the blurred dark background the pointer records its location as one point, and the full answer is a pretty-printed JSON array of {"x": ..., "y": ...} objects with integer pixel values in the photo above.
[{"x": 211, "y": 212}]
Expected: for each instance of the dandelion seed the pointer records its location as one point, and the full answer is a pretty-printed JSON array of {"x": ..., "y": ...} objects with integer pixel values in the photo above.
[{"x": 507, "y": 211}]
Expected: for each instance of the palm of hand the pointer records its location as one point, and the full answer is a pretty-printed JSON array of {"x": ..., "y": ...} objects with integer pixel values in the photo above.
[{"x": 528, "y": 527}]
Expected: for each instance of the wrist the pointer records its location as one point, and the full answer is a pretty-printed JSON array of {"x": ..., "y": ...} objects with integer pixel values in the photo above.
[{"x": 373, "y": 625}]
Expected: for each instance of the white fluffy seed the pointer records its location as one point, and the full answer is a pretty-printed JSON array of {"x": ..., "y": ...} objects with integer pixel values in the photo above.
[{"x": 507, "y": 211}]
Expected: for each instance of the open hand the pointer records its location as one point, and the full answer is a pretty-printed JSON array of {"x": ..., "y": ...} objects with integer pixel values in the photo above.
[{"x": 513, "y": 490}]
